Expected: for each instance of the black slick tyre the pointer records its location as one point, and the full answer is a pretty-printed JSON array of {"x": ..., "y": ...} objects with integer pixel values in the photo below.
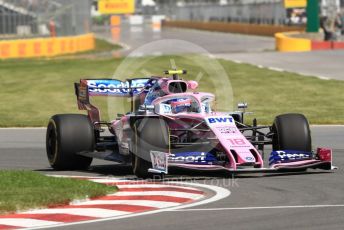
[
  {"x": 68, "y": 134},
  {"x": 291, "y": 132},
  {"x": 149, "y": 134}
]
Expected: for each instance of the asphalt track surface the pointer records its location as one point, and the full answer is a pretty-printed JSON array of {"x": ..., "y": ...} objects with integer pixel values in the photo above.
[
  {"x": 256, "y": 50},
  {"x": 257, "y": 201},
  {"x": 133, "y": 37},
  {"x": 323, "y": 64}
]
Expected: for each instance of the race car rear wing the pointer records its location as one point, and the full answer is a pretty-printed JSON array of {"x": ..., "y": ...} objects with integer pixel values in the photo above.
[
  {"x": 112, "y": 87},
  {"x": 107, "y": 87}
]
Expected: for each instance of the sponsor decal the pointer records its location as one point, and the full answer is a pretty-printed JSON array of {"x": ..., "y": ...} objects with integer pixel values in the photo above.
[
  {"x": 249, "y": 158},
  {"x": 165, "y": 109},
  {"x": 238, "y": 142},
  {"x": 227, "y": 130},
  {"x": 159, "y": 161},
  {"x": 192, "y": 157},
  {"x": 220, "y": 120},
  {"x": 83, "y": 94},
  {"x": 115, "y": 87},
  {"x": 188, "y": 157},
  {"x": 286, "y": 156}
]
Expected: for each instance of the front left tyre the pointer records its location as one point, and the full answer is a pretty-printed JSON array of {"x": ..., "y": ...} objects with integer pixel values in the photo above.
[
  {"x": 292, "y": 132},
  {"x": 68, "y": 134},
  {"x": 149, "y": 134}
]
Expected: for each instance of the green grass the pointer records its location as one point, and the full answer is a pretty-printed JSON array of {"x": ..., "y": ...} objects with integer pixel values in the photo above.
[
  {"x": 270, "y": 93},
  {"x": 33, "y": 90},
  {"x": 103, "y": 46},
  {"x": 100, "y": 47},
  {"x": 23, "y": 190}
]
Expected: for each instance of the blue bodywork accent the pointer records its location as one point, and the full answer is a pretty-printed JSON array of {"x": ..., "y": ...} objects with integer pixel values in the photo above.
[
  {"x": 199, "y": 158},
  {"x": 153, "y": 93},
  {"x": 286, "y": 156},
  {"x": 113, "y": 87}
]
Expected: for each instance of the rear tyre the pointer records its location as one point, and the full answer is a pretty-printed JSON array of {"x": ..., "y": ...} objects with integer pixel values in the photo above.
[
  {"x": 291, "y": 132},
  {"x": 149, "y": 134},
  {"x": 68, "y": 134}
]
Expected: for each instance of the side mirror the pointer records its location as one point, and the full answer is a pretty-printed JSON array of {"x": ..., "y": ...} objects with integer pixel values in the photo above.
[{"x": 192, "y": 85}]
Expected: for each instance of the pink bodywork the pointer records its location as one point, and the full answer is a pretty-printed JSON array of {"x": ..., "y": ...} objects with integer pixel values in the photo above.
[
  {"x": 224, "y": 129},
  {"x": 238, "y": 149}
]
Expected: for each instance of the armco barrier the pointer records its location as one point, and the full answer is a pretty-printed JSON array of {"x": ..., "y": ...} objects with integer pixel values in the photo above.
[
  {"x": 242, "y": 28},
  {"x": 46, "y": 47},
  {"x": 327, "y": 45},
  {"x": 286, "y": 43}
]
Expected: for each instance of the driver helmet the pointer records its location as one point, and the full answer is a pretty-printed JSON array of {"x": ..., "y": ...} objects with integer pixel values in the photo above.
[
  {"x": 153, "y": 94},
  {"x": 181, "y": 105}
]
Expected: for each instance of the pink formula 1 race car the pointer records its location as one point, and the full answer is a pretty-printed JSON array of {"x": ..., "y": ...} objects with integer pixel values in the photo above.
[{"x": 172, "y": 125}]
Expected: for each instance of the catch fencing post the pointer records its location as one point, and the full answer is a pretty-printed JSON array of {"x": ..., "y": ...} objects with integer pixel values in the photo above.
[{"x": 313, "y": 16}]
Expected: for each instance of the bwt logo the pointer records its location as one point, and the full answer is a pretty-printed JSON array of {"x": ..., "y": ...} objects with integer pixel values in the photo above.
[{"x": 220, "y": 120}]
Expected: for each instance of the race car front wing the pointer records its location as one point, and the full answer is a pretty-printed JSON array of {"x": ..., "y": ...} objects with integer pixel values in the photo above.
[{"x": 289, "y": 161}]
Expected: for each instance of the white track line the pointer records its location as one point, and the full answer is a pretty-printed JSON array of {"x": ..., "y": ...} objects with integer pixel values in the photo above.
[
  {"x": 155, "y": 186},
  {"x": 276, "y": 69},
  {"x": 264, "y": 207},
  {"x": 324, "y": 78},
  {"x": 26, "y": 223},
  {"x": 160, "y": 193},
  {"x": 107, "y": 180},
  {"x": 220, "y": 193},
  {"x": 149, "y": 203},
  {"x": 91, "y": 212}
]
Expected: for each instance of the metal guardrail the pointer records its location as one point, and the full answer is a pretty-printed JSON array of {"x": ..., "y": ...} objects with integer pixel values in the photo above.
[
  {"x": 242, "y": 28},
  {"x": 37, "y": 18},
  {"x": 253, "y": 12}
]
